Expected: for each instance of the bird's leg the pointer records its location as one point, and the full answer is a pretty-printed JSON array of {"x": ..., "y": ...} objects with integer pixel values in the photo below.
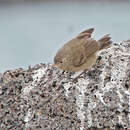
[{"x": 75, "y": 79}]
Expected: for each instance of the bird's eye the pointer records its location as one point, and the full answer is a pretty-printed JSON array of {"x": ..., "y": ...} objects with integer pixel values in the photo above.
[{"x": 60, "y": 62}]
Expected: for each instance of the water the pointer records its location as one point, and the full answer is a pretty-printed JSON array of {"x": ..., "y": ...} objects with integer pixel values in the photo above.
[{"x": 31, "y": 33}]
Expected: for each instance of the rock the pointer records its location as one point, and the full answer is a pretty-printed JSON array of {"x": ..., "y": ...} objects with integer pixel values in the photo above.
[{"x": 45, "y": 98}]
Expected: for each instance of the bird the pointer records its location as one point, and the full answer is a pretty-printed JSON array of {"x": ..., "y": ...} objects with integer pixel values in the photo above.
[{"x": 80, "y": 53}]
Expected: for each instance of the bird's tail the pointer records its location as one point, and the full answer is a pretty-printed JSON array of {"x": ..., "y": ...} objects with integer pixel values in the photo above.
[{"x": 105, "y": 42}]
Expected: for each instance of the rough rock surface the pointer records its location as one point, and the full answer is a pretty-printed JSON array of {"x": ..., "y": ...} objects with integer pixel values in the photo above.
[{"x": 45, "y": 98}]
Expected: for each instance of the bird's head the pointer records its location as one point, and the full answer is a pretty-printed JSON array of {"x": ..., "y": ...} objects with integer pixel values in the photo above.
[{"x": 61, "y": 60}]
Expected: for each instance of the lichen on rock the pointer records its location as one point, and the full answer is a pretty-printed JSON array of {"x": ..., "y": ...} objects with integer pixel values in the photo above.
[{"x": 46, "y": 98}]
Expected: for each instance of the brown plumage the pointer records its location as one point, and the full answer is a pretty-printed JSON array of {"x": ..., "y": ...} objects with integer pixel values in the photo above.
[{"x": 80, "y": 52}]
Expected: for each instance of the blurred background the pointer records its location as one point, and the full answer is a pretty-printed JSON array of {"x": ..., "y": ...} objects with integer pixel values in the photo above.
[{"x": 32, "y": 31}]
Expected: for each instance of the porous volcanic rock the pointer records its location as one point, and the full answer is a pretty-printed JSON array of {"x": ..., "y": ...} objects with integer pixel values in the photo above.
[{"x": 46, "y": 98}]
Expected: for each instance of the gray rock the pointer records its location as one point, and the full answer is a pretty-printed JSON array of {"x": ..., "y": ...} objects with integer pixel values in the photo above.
[{"x": 45, "y": 98}]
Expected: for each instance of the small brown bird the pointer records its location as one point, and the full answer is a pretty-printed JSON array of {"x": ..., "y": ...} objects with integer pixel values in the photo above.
[{"x": 80, "y": 52}]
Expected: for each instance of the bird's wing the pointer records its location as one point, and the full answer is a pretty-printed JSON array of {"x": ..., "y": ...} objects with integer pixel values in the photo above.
[
  {"x": 90, "y": 47},
  {"x": 79, "y": 58},
  {"x": 86, "y": 33},
  {"x": 90, "y": 30}
]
